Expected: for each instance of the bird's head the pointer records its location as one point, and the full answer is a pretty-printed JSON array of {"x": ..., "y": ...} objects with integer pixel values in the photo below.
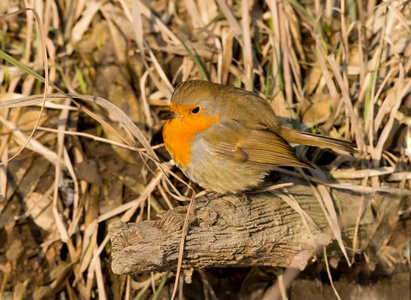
[{"x": 195, "y": 101}]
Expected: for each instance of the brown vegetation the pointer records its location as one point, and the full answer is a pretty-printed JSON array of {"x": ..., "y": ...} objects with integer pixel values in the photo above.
[{"x": 343, "y": 71}]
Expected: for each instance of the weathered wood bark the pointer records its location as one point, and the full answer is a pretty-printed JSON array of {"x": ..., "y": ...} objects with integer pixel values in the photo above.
[{"x": 231, "y": 232}]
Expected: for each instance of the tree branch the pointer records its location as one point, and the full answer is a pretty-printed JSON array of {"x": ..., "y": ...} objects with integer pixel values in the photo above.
[{"x": 231, "y": 232}]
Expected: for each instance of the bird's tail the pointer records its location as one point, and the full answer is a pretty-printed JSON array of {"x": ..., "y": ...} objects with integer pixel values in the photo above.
[{"x": 316, "y": 140}]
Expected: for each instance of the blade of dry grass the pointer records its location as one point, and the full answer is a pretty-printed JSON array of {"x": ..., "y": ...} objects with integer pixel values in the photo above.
[
  {"x": 195, "y": 60},
  {"x": 192, "y": 9},
  {"x": 31, "y": 144},
  {"x": 327, "y": 205},
  {"x": 348, "y": 186},
  {"x": 3, "y": 177},
  {"x": 235, "y": 26},
  {"x": 361, "y": 210},
  {"x": 247, "y": 49},
  {"x": 58, "y": 173},
  {"x": 347, "y": 102},
  {"x": 400, "y": 92},
  {"x": 84, "y": 23},
  {"x": 285, "y": 62},
  {"x": 144, "y": 10},
  {"x": 107, "y": 105},
  {"x": 70, "y": 168},
  {"x": 385, "y": 107},
  {"x": 227, "y": 37},
  {"x": 329, "y": 274},
  {"x": 275, "y": 41},
  {"x": 181, "y": 248},
  {"x": 101, "y": 286},
  {"x": 132, "y": 205},
  {"x": 23, "y": 67},
  {"x": 146, "y": 106},
  {"x": 137, "y": 10},
  {"x": 351, "y": 174},
  {"x": 292, "y": 202}
]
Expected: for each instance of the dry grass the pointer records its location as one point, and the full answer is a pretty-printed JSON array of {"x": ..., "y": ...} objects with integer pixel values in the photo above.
[{"x": 93, "y": 160}]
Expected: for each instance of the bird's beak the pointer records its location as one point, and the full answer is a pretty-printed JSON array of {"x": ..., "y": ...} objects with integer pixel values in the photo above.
[{"x": 170, "y": 115}]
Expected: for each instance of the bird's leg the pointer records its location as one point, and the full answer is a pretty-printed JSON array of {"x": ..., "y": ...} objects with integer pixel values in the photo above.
[
  {"x": 245, "y": 198},
  {"x": 206, "y": 195},
  {"x": 213, "y": 195}
]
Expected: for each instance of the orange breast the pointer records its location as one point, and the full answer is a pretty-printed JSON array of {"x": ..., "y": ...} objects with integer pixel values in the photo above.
[{"x": 178, "y": 134}]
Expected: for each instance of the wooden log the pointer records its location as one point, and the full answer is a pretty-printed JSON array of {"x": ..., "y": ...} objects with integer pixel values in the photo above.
[{"x": 232, "y": 232}]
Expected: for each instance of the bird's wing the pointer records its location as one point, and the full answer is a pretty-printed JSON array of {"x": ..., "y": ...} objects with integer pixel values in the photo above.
[{"x": 250, "y": 145}]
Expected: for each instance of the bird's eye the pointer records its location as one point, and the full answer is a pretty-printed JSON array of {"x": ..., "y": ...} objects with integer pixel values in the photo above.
[{"x": 196, "y": 110}]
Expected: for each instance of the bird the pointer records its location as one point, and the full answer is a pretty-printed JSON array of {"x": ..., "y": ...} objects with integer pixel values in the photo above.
[{"x": 227, "y": 139}]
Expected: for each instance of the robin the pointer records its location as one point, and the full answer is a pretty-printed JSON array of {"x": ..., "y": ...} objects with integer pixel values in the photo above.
[{"x": 227, "y": 139}]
